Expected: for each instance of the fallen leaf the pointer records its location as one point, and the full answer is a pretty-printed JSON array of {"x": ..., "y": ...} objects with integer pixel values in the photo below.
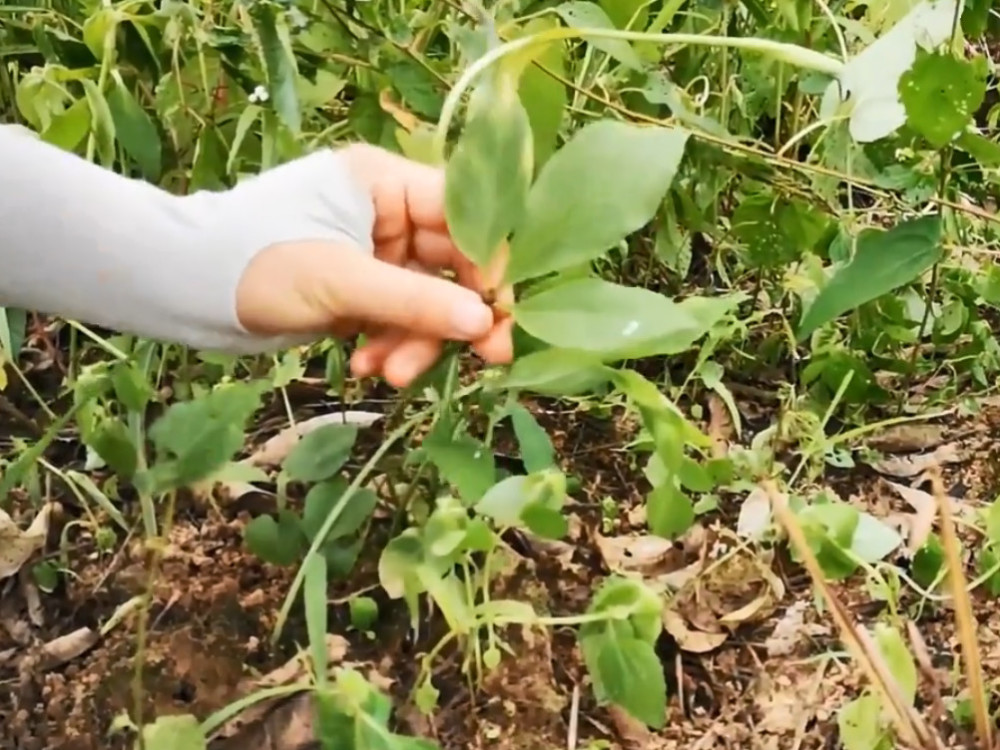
[
  {"x": 67, "y": 647},
  {"x": 755, "y": 515},
  {"x": 634, "y": 734},
  {"x": 647, "y": 554},
  {"x": 720, "y": 426},
  {"x": 32, "y": 598},
  {"x": 231, "y": 482},
  {"x": 911, "y": 466},
  {"x": 907, "y": 438},
  {"x": 790, "y": 631},
  {"x": 274, "y": 451},
  {"x": 16, "y": 546},
  {"x": 294, "y": 670},
  {"x": 403, "y": 117},
  {"x": 693, "y": 641},
  {"x": 921, "y": 522}
]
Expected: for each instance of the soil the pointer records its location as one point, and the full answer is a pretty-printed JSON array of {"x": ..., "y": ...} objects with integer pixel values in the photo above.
[{"x": 774, "y": 682}]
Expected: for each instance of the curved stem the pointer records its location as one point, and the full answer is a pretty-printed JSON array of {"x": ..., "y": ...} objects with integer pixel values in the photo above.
[{"x": 790, "y": 53}]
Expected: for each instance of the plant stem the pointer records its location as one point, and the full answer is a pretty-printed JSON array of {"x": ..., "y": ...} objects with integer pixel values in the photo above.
[{"x": 790, "y": 53}]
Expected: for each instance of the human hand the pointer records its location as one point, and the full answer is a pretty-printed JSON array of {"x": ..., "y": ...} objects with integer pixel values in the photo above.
[{"x": 397, "y": 297}]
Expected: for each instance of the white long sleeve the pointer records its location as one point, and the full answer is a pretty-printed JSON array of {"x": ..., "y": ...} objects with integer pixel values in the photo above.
[{"x": 82, "y": 242}]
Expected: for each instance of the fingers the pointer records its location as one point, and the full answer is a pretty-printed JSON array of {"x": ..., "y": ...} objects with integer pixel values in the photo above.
[
  {"x": 497, "y": 347},
  {"x": 410, "y": 360},
  {"x": 375, "y": 293}
]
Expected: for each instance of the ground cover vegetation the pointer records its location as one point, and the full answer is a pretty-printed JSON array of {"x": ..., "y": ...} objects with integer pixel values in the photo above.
[{"x": 739, "y": 487}]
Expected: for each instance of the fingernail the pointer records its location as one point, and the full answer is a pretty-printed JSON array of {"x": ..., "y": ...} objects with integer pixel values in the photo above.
[{"x": 471, "y": 319}]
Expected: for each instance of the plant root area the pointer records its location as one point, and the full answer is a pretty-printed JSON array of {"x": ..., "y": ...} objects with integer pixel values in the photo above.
[{"x": 749, "y": 661}]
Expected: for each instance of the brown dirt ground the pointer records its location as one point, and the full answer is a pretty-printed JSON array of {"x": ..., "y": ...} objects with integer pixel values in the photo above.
[{"x": 215, "y": 605}]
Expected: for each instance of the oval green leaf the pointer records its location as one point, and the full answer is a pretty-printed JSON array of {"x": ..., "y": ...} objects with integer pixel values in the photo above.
[
  {"x": 606, "y": 183},
  {"x": 135, "y": 130},
  {"x": 489, "y": 172},
  {"x": 615, "y": 321},
  {"x": 884, "y": 261}
]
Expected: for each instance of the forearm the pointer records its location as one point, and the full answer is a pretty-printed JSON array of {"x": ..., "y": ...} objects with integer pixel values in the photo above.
[{"x": 85, "y": 243}]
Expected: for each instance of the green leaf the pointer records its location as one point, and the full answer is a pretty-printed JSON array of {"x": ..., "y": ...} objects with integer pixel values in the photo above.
[
  {"x": 464, "y": 462},
  {"x": 195, "y": 438},
  {"x": 321, "y": 453},
  {"x": 68, "y": 129},
  {"x": 96, "y": 29},
  {"x": 860, "y": 724},
  {"x": 398, "y": 570},
  {"x": 628, "y": 601},
  {"x": 363, "y": 612},
  {"x": 557, "y": 372},
  {"x": 617, "y": 322},
  {"x": 621, "y": 13},
  {"x": 546, "y": 522},
  {"x": 694, "y": 476},
  {"x": 669, "y": 511},
  {"x": 134, "y": 129},
  {"x": 992, "y": 518},
  {"x": 631, "y": 676},
  {"x": 209, "y": 161},
  {"x": 883, "y": 262},
  {"x": 898, "y": 659},
  {"x": 113, "y": 442},
  {"x": 277, "y": 542},
  {"x": 279, "y": 63},
  {"x": 536, "y": 448},
  {"x": 179, "y": 732},
  {"x": 419, "y": 89},
  {"x": 314, "y": 598},
  {"x": 941, "y": 94},
  {"x": 131, "y": 386},
  {"x": 975, "y": 17},
  {"x": 506, "y": 501},
  {"x": 102, "y": 124},
  {"x": 578, "y": 14},
  {"x": 489, "y": 172},
  {"x": 928, "y": 562},
  {"x": 543, "y": 96},
  {"x": 321, "y": 500},
  {"x": 568, "y": 221},
  {"x": 874, "y": 540},
  {"x": 982, "y": 149},
  {"x": 776, "y": 230}
]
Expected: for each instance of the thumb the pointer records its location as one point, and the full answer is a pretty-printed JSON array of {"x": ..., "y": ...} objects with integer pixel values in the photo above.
[{"x": 378, "y": 293}]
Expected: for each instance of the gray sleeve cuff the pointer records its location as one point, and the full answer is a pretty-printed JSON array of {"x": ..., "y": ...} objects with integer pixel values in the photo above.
[
  {"x": 314, "y": 198},
  {"x": 82, "y": 242}
]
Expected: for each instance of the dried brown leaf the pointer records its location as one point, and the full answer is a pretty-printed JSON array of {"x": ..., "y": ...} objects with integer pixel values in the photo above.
[
  {"x": 294, "y": 670},
  {"x": 16, "y": 546},
  {"x": 649, "y": 555},
  {"x": 720, "y": 426},
  {"x": 907, "y": 438},
  {"x": 694, "y": 641},
  {"x": 67, "y": 647},
  {"x": 921, "y": 522},
  {"x": 912, "y": 466}
]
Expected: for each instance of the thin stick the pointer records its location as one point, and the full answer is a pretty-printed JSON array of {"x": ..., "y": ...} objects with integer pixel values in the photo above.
[
  {"x": 965, "y": 619},
  {"x": 910, "y": 727}
]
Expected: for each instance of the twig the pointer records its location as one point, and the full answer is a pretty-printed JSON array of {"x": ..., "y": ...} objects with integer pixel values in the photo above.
[
  {"x": 574, "y": 720},
  {"x": 909, "y": 725},
  {"x": 965, "y": 619}
]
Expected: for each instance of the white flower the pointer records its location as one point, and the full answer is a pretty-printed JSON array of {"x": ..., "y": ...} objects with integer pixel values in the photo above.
[{"x": 259, "y": 94}]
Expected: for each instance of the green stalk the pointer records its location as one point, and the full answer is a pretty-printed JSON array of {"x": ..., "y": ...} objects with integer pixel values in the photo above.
[{"x": 790, "y": 53}]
